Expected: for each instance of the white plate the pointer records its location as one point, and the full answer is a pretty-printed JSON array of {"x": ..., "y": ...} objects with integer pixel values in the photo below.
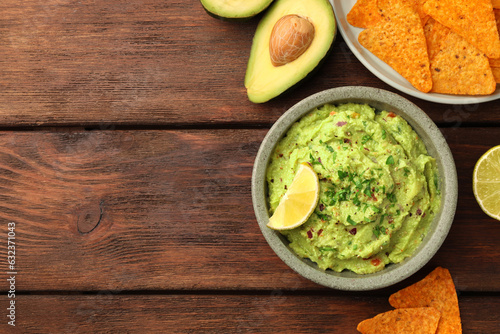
[{"x": 384, "y": 72}]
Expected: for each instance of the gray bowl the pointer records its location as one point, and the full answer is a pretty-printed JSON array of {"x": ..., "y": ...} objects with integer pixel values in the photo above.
[{"x": 436, "y": 147}]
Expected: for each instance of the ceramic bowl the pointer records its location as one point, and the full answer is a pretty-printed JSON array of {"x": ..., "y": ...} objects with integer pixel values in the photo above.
[{"x": 437, "y": 147}]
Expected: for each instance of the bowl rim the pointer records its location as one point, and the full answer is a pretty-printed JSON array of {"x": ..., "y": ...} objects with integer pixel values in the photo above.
[{"x": 436, "y": 146}]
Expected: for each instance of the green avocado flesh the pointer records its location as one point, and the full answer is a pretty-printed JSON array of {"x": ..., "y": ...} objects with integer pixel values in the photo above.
[
  {"x": 235, "y": 9},
  {"x": 264, "y": 81}
]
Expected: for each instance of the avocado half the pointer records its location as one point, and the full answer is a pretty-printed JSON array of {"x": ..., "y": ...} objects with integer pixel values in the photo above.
[
  {"x": 265, "y": 81},
  {"x": 234, "y": 9}
]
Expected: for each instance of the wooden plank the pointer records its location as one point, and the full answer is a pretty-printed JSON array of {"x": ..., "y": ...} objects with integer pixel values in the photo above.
[
  {"x": 275, "y": 312},
  {"x": 150, "y": 62},
  {"x": 168, "y": 210}
]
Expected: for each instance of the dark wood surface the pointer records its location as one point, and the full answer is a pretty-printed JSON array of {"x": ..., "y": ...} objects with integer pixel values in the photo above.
[{"x": 126, "y": 151}]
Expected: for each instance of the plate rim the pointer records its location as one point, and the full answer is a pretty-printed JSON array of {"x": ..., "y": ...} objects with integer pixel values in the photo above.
[{"x": 342, "y": 23}]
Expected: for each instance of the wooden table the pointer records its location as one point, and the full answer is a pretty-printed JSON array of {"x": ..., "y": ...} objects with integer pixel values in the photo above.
[{"x": 126, "y": 150}]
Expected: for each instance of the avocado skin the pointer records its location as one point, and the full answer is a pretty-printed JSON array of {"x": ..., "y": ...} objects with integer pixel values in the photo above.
[{"x": 236, "y": 19}]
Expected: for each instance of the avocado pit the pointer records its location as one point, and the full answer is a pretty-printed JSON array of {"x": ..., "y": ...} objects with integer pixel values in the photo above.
[{"x": 291, "y": 36}]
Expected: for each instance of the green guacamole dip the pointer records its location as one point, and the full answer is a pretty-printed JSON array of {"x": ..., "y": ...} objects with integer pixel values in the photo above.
[{"x": 378, "y": 187}]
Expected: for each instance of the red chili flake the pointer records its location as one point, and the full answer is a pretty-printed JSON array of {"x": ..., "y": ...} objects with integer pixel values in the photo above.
[
  {"x": 321, "y": 207},
  {"x": 309, "y": 234},
  {"x": 346, "y": 140},
  {"x": 373, "y": 197},
  {"x": 375, "y": 262},
  {"x": 319, "y": 232},
  {"x": 419, "y": 212},
  {"x": 319, "y": 160},
  {"x": 353, "y": 231},
  {"x": 281, "y": 155},
  {"x": 391, "y": 114}
]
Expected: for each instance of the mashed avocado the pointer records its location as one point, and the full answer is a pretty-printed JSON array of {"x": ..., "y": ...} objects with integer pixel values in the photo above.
[{"x": 378, "y": 187}]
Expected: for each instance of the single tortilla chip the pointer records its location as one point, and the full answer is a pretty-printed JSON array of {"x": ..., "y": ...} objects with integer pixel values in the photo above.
[
  {"x": 495, "y": 3},
  {"x": 496, "y": 74},
  {"x": 473, "y": 20},
  {"x": 364, "y": 14},
  {"x": 420, "y": 10},
  {"x": 460, "y": 68},
  {"x": 435, "y": 34},
  {"x": 496, "y": 62},
  {"x": 420, "y": 320},
  {"x": 435, "y": 290},
  {"x": 399, "y": 41}
]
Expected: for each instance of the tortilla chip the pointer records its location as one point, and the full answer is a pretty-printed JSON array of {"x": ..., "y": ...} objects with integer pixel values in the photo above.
[
  {"x": 364, "y": 14},
  {"x": 460, "y": 68},
  {"x": 473, "y": 20},
  {"x": 420, "y": 320},
  {"x": 418, "y": 7},
  {"x": 496, "y": 74},
  {"x": 435, "y": 290},
  {"x": 398, "y": 40},
  {"x": 495, "y": 3},
  {"x": 435, "y": 34},
  {"x": 494, "y": 62}
]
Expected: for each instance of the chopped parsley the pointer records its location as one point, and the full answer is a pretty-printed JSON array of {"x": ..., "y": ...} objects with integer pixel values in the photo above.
[
  {"x": 390, "y": 160},
  {"x": 378, "y": 230},
  {"x": 342, "y": 174},
  {"x": 313, "y": 161},
  {"x": 322, "y": 216},
  {"x": 350, "y": 221},
  {"x": 366, "y": 138}
]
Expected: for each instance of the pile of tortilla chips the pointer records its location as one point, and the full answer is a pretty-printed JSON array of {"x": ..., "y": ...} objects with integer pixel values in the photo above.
[
  {"x": 440, "y": 46},
  {"x": 426, "y": 307}
]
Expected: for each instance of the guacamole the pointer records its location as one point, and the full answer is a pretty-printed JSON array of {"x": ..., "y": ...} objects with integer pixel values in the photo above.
[{"x": 378, "y": 187}]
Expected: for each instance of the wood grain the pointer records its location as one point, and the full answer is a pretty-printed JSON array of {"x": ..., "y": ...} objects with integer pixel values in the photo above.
[
  {"x": 149, "y": 62},
  {"x": 171, "y": 210},
  {"x": 276, "y": 312}
]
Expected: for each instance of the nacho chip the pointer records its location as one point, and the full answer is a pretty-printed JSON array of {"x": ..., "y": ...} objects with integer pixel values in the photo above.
[
  {"x": 420, "y": 320},
  {"x": 460, "y": 68},
  {"x": 398, "y": 40},
  {"x": 473, "y": 20},
  {"x": 420, "y": 10},
  {"x": 495, "y": 3},
  {"x": 435, "y": 290},
  {"x": 435, "y": 34},
  {"x": 364, "y": 14},
  {"x": 494, "y": 62},
  {"x": 496, "y": 74}
]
